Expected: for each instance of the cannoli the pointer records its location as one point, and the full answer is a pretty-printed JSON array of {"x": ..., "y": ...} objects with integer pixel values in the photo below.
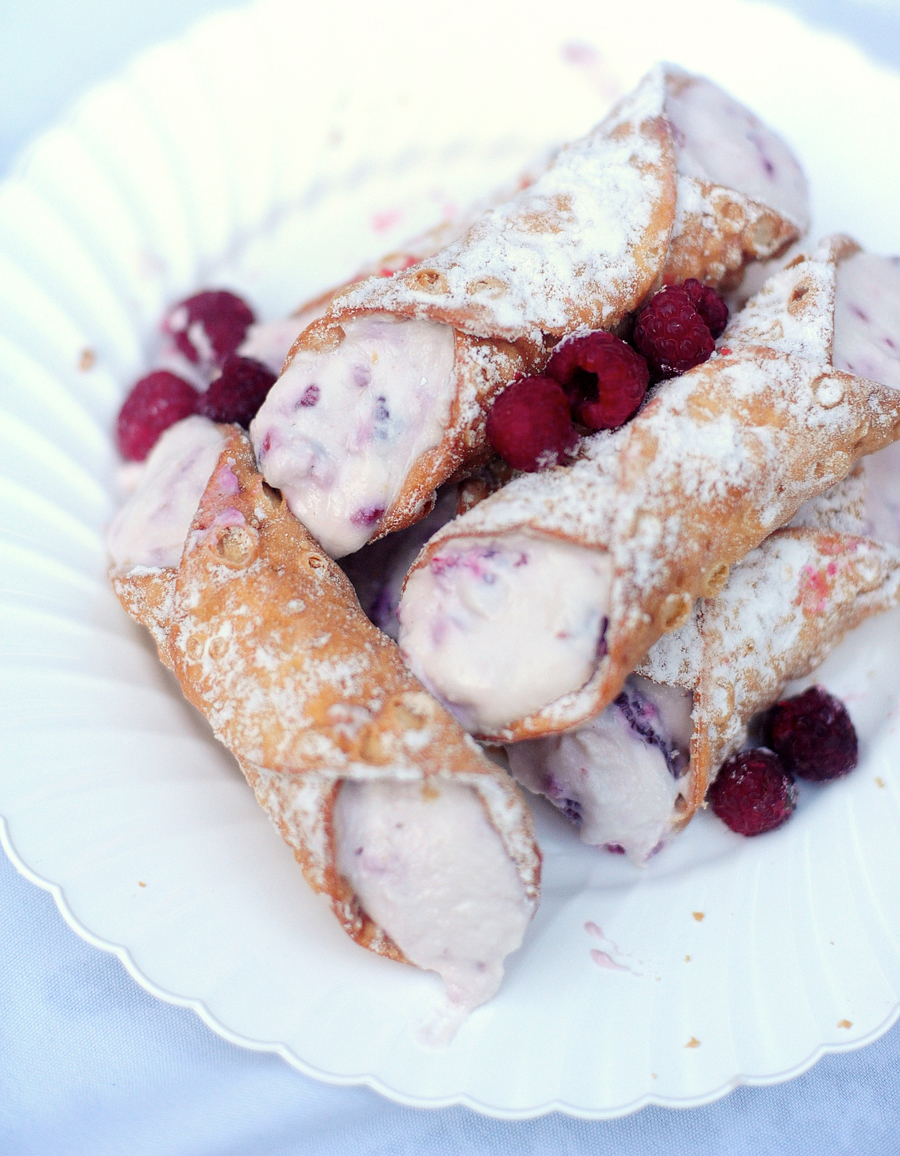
[
  {"x": 636, "y": 773},
  {"x": 527, "y": 614},
  {"x": 423, "y": 846},
  {"x": 385, "y": 397}
]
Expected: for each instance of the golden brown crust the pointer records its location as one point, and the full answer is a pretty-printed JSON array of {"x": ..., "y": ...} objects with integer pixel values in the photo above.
[{"x": 841, "y": 581}]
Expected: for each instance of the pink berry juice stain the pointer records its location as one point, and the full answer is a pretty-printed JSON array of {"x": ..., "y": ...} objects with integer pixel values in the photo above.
[{"x": 609, "y": 955}]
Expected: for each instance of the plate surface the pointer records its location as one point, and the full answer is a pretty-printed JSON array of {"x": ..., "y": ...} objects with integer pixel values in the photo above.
[{"x": 273, "y": 155}]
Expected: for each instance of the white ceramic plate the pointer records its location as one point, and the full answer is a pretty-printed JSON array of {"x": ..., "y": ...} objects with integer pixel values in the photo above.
[{"x": 273, "y": 150}]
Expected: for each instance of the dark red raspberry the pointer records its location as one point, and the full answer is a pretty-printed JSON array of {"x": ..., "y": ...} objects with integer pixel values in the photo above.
[
  {"x": 156, "y": 402},
  {"x": 530, "y": 426},
  {"x": 671, "y": 334},
  {"x": 604, "y": 379},
  {"x": 752, "y": 792},
  {"x": 708, "y": 304},
  {"x": 209, "y": 326},
  {"x": 813, "y": 735},
  {"x": 238, "y": 392}
]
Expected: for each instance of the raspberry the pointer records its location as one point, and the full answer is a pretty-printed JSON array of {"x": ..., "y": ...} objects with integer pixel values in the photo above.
[
  {"x": 604, "y": 379},
  {"x": 530, "y": 426},
  {"x": 671, "y": 334},
  {"x": 156, "y": 402},
  {"x": 813, "y": 735},
  {"x": 209, "y": 326},
  {"x": 238, "y": 392},
  {"x": 752, "y": 792},
  {"x": 708, "y": 304}
]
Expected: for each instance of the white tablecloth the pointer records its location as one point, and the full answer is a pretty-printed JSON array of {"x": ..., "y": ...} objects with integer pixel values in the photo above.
[{"x": 91, "y": 1065}]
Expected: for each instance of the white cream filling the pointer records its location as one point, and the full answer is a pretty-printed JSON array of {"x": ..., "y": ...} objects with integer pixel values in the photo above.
[
  {"x": 867, "y": 318},
  {"x": 610, "y": 776},
  {"x": 499, "y": 627},
  {"x": 341, "y": 429},
  {"x": 150, "y": 529},
  {"x": 719, "y": 140},
  {"x": 428, "y": 867},
  {"x": 270, "y": 341},
  {"x": 379, "y": 570}
]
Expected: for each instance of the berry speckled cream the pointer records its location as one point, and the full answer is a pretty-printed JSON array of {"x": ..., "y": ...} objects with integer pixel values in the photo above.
[
  {"x": 867, "y": 317},
  {"x": 635, "y": 203},
  {"x": 718, "y": 140},
  {"x": 619, "y": 778},
  {"x": 479, "y": 630},
  {"x": 379, "y": 570},
  {"x": 342, "y": 427},
  {"x": 150, "y": 529}
]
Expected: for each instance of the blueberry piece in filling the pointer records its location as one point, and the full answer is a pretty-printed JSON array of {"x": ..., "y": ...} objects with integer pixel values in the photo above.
[
  {"x": 645, "y": 718},
  {"x": 618, "y": 777}
]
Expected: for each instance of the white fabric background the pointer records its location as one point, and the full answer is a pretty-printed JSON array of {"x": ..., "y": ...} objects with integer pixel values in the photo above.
[{"x": 91, "y": 1065}]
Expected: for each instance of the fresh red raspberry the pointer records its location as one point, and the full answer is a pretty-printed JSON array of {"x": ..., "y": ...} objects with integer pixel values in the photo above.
[
  {"x": 238, "y": 392},
  {"x": 156, "y": 402},
  {"x": 753, "y": 793},
  {"x": 708, "y": 304},
  {"x": 671, "y": 334},
  {"x": 209, "y": 326},
  {"x": 813, "y": 735},
  {"x": 604, "y": 379},
  {"x": 530, "y": 426}
]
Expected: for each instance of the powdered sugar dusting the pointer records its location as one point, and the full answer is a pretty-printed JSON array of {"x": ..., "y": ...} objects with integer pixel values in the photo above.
[
  {"x": 781, "y": 611},
  {"x": 578, "y": 232}
]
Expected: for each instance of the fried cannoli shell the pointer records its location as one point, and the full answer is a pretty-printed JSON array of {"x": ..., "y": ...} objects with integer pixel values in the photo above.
[
  {"x": 146, "y": 594},
  {"x": 267, "y": 639},
  {"x": 534, "y": 267},
  {"x": 417, "y": 248},
  {"x": 720, "y": 458},
  {"x": 579, "y": 249},
  {"x": 783, "y": 610}
]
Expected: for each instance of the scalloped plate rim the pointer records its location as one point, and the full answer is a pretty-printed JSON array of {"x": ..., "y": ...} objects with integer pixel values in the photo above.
[{"x": 191, "y": 1003}]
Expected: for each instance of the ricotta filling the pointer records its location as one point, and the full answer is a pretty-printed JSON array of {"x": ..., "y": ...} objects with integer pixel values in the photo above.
[
  {"x": 719, "y": 140},
  {"x": 867, "y": 318},
  {"x": 341, "y": 429},
  {"x": 618, "y": 777},
  {"x": 498, "y": 628},
  {"x": 379, "y": 569},
  {"x": 270, "y": 341},
  {"x": 151, "y": 528},
  {"x": 428, "y": 868}
]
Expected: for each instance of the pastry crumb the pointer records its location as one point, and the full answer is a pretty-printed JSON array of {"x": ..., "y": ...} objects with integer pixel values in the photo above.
[
  {"x": 693, "y": 1042},
  {"x": 141, "y": 883},
  {"x": 653, "y": 1076},
  {"x": 699, "y": 916},
  {"x": 879, "y": 780},
  {"x": 87, "y": 360},
  {"x": 845, "y": 1023},
  {"x": 687, "y": 959}
]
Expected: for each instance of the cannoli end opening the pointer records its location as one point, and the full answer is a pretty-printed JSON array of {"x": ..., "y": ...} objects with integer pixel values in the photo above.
[{"x": 428, "y": 867}]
